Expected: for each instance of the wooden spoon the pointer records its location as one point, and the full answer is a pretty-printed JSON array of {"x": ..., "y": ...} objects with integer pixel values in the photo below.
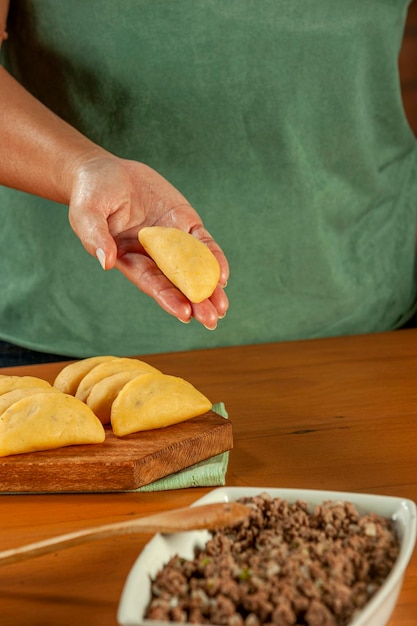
[{"x": 205, "y": 516}]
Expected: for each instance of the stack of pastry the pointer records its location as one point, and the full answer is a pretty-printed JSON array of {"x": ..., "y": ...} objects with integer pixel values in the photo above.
[{"x": 127, "y": 393}]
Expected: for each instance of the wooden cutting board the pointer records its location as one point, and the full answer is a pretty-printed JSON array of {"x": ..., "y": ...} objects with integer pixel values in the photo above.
[{"x": 118, "y": 464}]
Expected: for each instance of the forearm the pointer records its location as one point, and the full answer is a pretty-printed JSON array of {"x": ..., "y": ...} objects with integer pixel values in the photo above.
[{"x": 39, "y": 152}]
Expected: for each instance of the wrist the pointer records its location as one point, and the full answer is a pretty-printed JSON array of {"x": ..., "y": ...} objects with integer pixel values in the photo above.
[{"x": 78, "y": 166}]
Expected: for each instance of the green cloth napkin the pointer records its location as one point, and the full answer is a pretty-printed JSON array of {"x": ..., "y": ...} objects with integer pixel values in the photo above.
[{"x": 209, "y": 473}]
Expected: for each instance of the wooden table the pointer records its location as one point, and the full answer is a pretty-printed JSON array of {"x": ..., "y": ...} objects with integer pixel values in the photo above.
[{"x": 335, "y": 414}]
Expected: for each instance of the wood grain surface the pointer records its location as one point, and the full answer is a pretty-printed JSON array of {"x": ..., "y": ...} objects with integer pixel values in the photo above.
[{"x": 337, "y": 414}]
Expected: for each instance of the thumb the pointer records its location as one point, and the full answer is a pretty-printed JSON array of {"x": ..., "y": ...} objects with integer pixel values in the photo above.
[
  {"x": 93, "y": 232},
  {"x": 106, "y": 253}
]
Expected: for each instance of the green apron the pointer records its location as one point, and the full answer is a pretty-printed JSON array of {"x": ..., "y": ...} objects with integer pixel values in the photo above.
[{"x": 282, "y": 123}]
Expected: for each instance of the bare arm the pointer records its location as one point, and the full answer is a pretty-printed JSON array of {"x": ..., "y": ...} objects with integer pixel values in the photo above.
[{"x": 36, "y": 142}]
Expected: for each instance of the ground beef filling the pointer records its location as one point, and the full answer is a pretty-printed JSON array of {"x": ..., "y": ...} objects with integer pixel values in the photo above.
[{"x": 285, "y": 566}]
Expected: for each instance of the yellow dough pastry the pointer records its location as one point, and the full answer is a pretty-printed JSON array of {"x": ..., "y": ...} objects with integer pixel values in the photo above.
[
  {"x": 9, "y": 398},
  {"x": 70, "y": 376},
  {"x": 103, "y": 393},
  {"x": 185, "y": 260},
  {"x": 103, "y": 370},
  {"x": 155, "y": 401},
  {"x": 45, "y": 421},
  {"x": 8, "y": 383}
]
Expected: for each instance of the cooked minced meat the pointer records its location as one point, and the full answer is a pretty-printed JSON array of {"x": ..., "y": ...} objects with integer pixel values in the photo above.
[{"x": 284, "y": 566}]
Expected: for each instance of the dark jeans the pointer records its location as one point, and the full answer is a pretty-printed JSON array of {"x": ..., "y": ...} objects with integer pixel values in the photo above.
[{"x": 11, "y": 355}]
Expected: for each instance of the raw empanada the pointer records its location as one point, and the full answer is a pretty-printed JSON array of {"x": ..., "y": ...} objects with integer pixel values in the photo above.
[
  {"x": 103, "y": 370},
  {"x": 185, "y": 260},
  {"x": 8, "y": 383},
  {"x": 103, "y": 394},
  {"x": 155, "y": 401},
  {"x": 70, "y": 376},
  {"x": 45, "y": 421},
  {"x": 9, "y": 398}
]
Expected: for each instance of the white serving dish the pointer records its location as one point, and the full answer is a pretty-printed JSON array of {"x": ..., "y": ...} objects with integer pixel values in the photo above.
[{"x": 136, "y": 593}]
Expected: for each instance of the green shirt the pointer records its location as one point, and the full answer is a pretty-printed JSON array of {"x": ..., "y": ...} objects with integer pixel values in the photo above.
[{"x": 282, "y": 123}]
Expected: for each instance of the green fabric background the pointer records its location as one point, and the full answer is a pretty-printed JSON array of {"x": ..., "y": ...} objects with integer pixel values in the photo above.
[{"x": 280, "y": 120}]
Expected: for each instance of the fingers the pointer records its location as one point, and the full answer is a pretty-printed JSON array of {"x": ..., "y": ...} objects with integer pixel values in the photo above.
[
  {"x": 220, "y": 301},
  {"x": 210, "y": 311},
  {"x": 127, "y": 255},
  {"x": 142, "y": 271},
  {"x": 201, "y": 233}
]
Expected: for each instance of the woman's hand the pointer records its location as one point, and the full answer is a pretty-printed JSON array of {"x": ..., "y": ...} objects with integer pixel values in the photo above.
[{"x": 111, "y": 200}]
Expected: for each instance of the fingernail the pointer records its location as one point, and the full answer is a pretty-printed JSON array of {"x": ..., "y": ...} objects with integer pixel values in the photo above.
[
  {"x": 101, "y": 257},
  {"x": 208, "y": 327},
  {"x": 184, "y": 321}
]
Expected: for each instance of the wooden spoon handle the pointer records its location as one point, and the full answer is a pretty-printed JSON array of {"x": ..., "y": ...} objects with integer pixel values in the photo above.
[{"x": 208, "y": 516}]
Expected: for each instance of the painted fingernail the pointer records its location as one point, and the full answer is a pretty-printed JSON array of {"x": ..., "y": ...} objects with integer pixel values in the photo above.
[{"x": 101, "y": 257}]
